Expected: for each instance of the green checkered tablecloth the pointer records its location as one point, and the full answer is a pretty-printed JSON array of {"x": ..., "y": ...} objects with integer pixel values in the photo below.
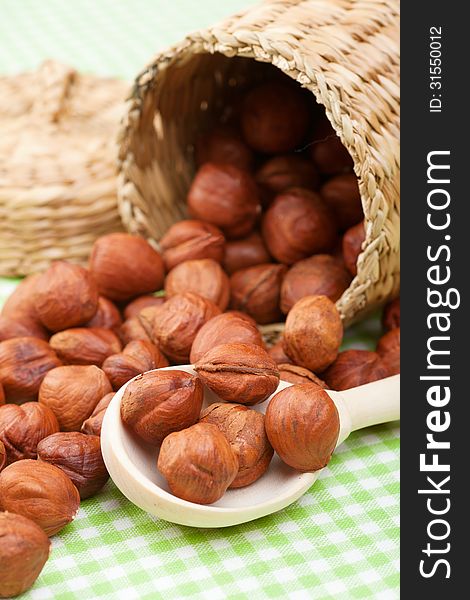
[{"x": 341, "y": 540}]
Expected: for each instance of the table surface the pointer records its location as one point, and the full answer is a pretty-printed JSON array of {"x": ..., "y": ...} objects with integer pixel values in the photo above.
[{"x": 341, "y": 540}]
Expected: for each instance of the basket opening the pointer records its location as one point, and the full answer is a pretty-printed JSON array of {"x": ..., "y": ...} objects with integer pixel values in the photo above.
[{"x": 190, "y": 96}]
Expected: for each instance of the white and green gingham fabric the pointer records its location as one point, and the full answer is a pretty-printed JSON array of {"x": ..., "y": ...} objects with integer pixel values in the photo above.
[{"x": 341, "y": 540}]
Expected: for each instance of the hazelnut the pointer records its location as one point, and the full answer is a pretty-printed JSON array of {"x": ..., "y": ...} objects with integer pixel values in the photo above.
[
  {"x": 244, "y": 429},
  {"x": 24, "y": 363},
  {"x": 319, "y": 275},
  {"x": 174, "y": 325},
  {"x": 302, "y": 424},
  {"x": 20, "y": 307},
  {"x": 23, "y": 553},
  {"x": 295, "y": 374},
  {"x": 391, "y": 315},
  {"x": 134, "y": 307},
  {"x": 191, "y": 240},
  {"x": 85, "y": 346},
  {"x": 12, "y": 328},
  {"x": 41, "y": 492},
  {"x": 283, "y": 172},
  {"x": 136, "y": 358},
  {"x": 2, "y": 395},
  {"x": 242, "y": 373},
  {"x": 225, "y": 196},
  {"x": 23, "y": 427},
  {"x": 388, "y": 348},
  {"x": 224, "y": 329},
  {"x": 353, "y": 368},
  {"x": 256, "y": 291},
  {"x": 132, "y": 330},
  {"x": 275, "y": 117},
  {"x": 313, "y": 333},
  {"x": 328, "y": 152},
  {"x": 65, "y": 296},
  {"x": 352, "y": 246},
  {"x": 79, "y": 457},
  {"x": 198, "y": 463},
  {"x": 92, "y": 425},
  {"x": 3, "y": 455},
  {"x": 107, "y": 315},
  {"x": 223, "y": 145},
  {"x": 72, "y": 393},
  {"x": 160, "y": 402},
  {"x": 204, "y": 277},
  {"x": 342, "y": 194},
  {"x": 125, "y": 266},
  {"x": 276, "y": 352},
  {"x": 244, "y": 253},
  {"x": 298, "y": 224}
]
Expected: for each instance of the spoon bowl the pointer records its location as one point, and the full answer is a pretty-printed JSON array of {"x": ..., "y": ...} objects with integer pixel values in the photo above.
[{"x": 132, "y": 463}]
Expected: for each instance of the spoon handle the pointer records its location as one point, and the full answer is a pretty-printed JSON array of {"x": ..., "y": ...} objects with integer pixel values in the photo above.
[{"x": 370, "y": 404}]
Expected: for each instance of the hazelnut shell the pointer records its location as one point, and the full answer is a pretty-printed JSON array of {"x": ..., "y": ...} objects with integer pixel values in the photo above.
[
  {"x": 353, "y": 368},
  {"x": 342, "y": 194},
  {"x": 244, "y": 253},
  {"x": 223, "y": 145},
  {"x": 136, "y": 358},
  {"x": 391, "y": 315},
  {"x": 388, "y": 348},
  {"x": 192, "y": 240},
  {"x": 85, "y": 346},
  {"x": 327, "y": 150},
  {"x": 283, "y": 172},
  {"x": 134, "y": 307},
  {"x": 294, "y": 374},
  {"x": 92, "y": 425},
  {"x": 107, "y": 315},
  {"x": 352, "y": 246}
]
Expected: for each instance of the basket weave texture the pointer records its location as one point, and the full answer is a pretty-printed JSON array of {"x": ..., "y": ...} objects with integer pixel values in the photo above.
[
  {"x": 57, "y": 165},
  {"x": 346, "y": 52}
]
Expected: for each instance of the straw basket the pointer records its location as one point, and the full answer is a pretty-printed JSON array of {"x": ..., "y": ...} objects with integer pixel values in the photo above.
[
  {"x": 344, "y": 51},
  {"x": 57, "y": 165}
]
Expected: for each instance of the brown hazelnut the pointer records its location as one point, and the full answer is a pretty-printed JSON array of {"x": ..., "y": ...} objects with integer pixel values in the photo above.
[
  {"x": 79, "y": 457},
  {"x": 41, "y": 492},
  {"x": 160, "y": 402},
  {"x": 136, "y": 358},
  {"x": 225, "y": 196},
  {"x": 391, "y": 315},
  {"x": 256, "y": 291},
  {"x": 107, "y": 315},
  {"x": 12, "y": 328},
  {"x": 132, "y": 330},
  {"x": 244, "y": 253},
  {"x": 191, "y": 240},
  {"x": 223, "y": 145},
  {"x": 244, "y": 429},
  {"x": 313, "y": 333},
  {"x": 23, "y": 427},
  {"x": 85, "y": 346},
  {"x": 24, "y": 363},
  {"x": 328, "y": 152},
  {"x": 319, "y": 275},
  {"x": 283, "y": 172},
  {"x": 65, "y": 296},
  {"x": 72, "y": 393},
  {"x": 174, "y": 325},
  {"x": 276, "y": 352},
  {"x": 20, "y": 307},
  {"x": 275, "y": 117},
  {"x": 23, "y": 553},
  {"x": 353, "y": 368},
  {"x": 295, "y": 374},
  {"x": 352, "y": 246},
  {"x": 204, "y": 277},
  {"x": 134, "y": 307},
  {"x": 125, "y": 266},
  {"x": 302, "y": 424},
  {"x": 198, "y": 463},
  {"x": 242, "y": 373},
  {"x": 2, "y": 395},
  {"x": 92, "y": 425},
  {"x": 342, "y": 194},
  {"x": 224, "y": 329},
  {"x": 388, "y": 348},
  {"x": 298, "y": 224},
  {"x": 3, "y": 455}
]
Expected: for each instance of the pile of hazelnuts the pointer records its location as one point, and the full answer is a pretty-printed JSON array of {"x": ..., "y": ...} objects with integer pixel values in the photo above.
[{"x": 275, "y": 231}]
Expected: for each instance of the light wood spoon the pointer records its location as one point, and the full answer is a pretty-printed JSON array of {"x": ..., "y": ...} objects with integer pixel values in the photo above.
[{"x": 132, "y": 464}]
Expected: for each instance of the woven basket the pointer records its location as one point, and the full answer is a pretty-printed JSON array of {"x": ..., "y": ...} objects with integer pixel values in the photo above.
[
  {"x": 344, "y": 51},
  {"x": 57, "y": 165}
]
